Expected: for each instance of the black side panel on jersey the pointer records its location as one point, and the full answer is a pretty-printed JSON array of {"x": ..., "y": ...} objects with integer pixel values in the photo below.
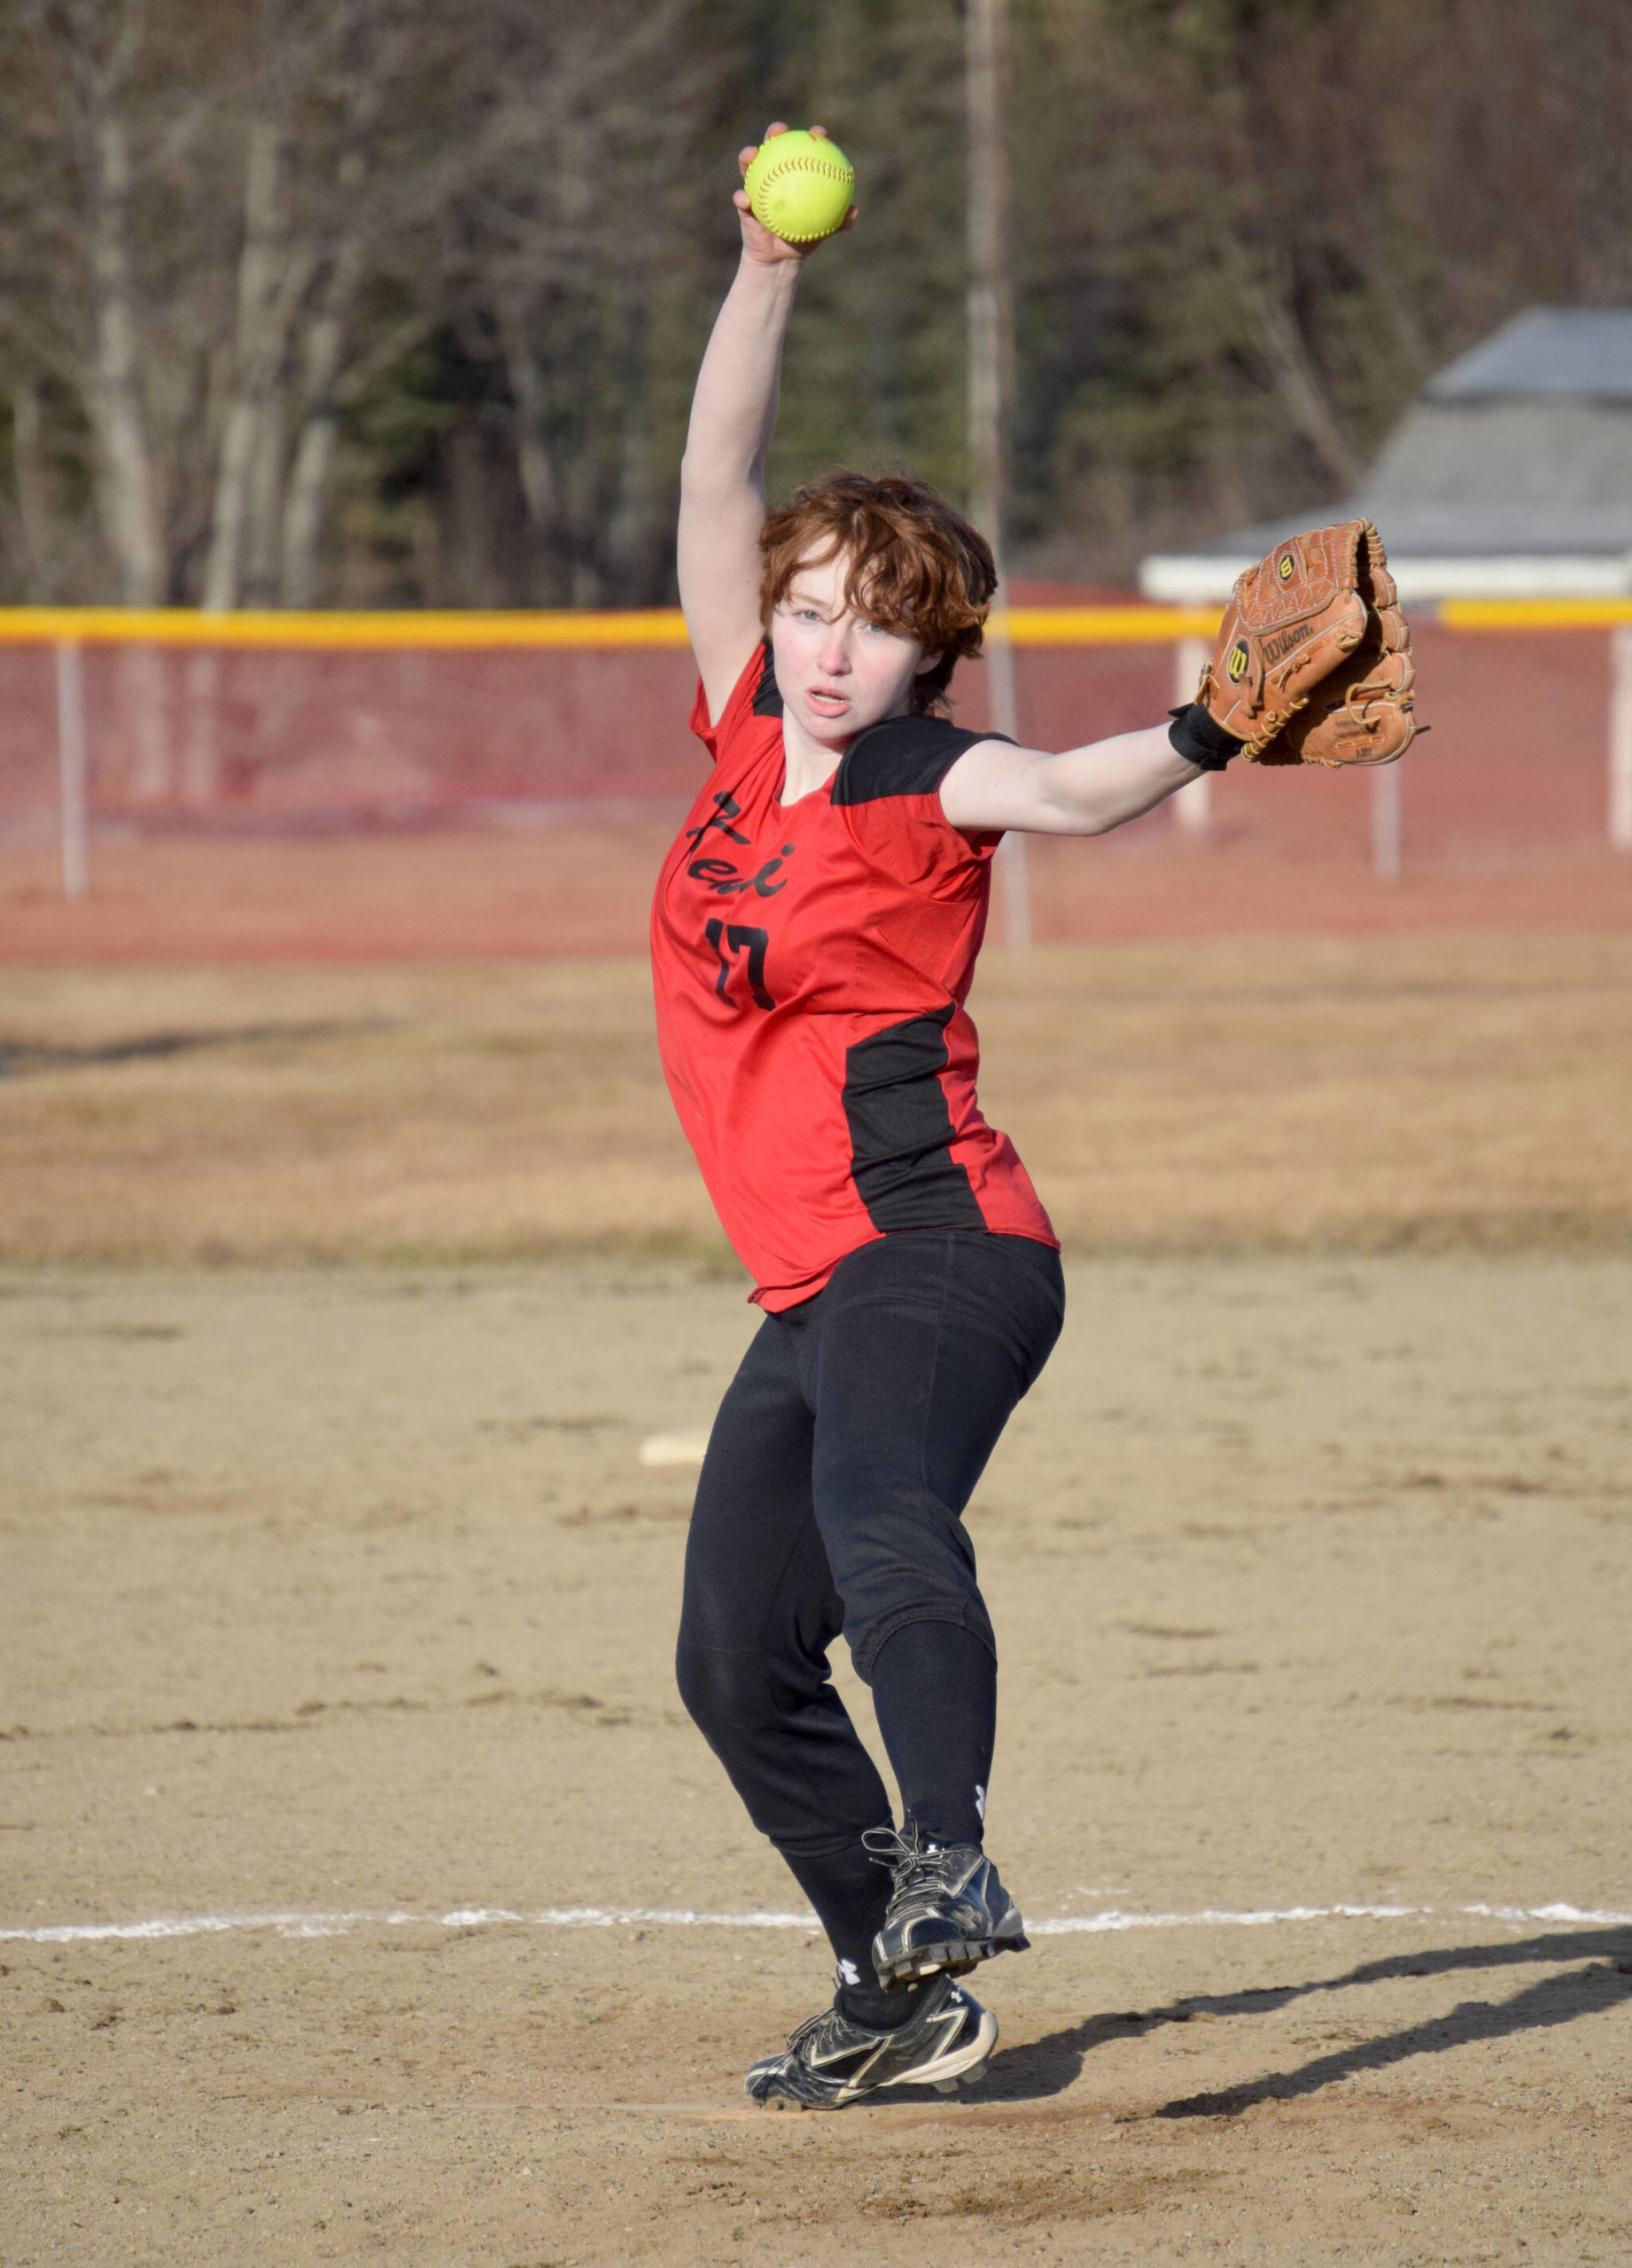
[
  {"x": 767, "y": 693},
  {"x": 901, "y": 1131},
  {"x": 905, "y": 756}
]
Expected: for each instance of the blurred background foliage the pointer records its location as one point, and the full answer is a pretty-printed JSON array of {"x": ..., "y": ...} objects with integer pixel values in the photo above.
[{"x": 370, "y": 302}]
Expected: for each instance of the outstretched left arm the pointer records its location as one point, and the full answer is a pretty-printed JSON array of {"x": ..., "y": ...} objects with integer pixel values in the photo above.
[{"x": 1084, "y": 791}]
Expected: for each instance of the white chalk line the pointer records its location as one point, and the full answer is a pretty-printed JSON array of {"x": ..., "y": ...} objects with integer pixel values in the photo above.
[{"x": 292, "y": 1924}]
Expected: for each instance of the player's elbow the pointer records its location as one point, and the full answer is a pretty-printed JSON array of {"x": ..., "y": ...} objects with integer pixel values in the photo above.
[{"x": 1063, "y": 811}]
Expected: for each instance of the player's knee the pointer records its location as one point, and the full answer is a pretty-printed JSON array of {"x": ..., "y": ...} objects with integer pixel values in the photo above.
[{"x": 724, "y": 1692}]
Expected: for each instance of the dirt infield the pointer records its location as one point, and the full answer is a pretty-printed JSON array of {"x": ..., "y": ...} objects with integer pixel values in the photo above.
[
  {"x": 1346, "y": 1093},
  {"x": 343, "y": 1597},
  {"x": 358, "y": 1863}
]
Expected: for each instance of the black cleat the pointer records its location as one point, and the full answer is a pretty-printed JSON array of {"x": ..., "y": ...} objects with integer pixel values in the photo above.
[
  {"x": 947, "y": 1909},
  {"x": 829, "y": 2061}
]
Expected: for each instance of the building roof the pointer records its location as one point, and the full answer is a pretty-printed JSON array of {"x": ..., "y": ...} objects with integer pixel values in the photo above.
[
  {"x": 1574, "y": 354},
  {"x": 1511, "y": 475}
]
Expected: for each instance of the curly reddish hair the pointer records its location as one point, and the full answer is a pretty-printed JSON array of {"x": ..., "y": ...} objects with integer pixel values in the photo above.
[{"x": 916, "y": 565}]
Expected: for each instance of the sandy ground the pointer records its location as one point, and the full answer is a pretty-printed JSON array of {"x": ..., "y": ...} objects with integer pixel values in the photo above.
[
  {"x": 344, "y": 1593},
  {"x": 1460, "y": 1090}
]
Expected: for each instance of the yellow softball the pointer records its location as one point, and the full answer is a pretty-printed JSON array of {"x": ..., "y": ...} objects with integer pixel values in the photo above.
[{"x": 799, "y": 186}]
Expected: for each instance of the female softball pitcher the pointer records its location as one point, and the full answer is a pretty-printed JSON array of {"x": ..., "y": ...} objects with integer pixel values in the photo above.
[{"x": 813, "y": 940}]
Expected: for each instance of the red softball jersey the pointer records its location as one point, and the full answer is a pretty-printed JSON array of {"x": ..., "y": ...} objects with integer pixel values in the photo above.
[{"x": 810, "y": 963}]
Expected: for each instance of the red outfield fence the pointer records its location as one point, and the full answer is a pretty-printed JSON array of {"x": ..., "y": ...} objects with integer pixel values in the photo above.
[{"x": 123, "y": 727}]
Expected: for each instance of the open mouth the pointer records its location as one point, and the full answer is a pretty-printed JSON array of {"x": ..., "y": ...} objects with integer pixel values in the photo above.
[{"x": 825, "y": 703}]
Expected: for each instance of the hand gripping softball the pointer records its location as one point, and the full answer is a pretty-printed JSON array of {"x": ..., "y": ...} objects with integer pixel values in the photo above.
[
  {"x": 799, "y": 186},
  {"x": 1313, "y": 664}
]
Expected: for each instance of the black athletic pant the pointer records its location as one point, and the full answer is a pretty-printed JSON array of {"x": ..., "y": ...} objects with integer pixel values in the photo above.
[{"x": 831, "y": 1499}]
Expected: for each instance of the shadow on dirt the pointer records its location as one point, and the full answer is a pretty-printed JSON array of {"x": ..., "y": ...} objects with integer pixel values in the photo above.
[
  {"x": 1049, "y": 2066},
  {"x": 19, "y": 1057}
]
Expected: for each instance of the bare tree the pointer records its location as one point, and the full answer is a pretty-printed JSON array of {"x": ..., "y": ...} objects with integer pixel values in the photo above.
[
  {"x": 584, "y": 209},
  {"x": 74, "y": 86},
  {"x": 335, "y": 178}
]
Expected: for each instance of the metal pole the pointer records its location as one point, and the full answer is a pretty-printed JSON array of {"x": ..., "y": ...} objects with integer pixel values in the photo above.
[
  {"x": 1193, "y": 806},
  {"x": 991, "y": 356},
  {"x": 1620, "y": 737},
  {"x": 1386, "y": 823},
  {"x": 71, "y": 769}
]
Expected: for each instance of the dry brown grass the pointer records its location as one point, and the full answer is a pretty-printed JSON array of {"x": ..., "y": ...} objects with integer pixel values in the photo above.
[{"x": 1458, "y": 1089}]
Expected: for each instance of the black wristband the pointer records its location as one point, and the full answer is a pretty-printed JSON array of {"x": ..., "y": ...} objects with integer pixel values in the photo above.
[{"x": 1200, "y": 740}]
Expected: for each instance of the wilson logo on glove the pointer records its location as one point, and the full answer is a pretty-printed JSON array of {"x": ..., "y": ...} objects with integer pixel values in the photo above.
[
  {"x": 1286, "y": 566},
  {"x": 1237, "y": 664}
]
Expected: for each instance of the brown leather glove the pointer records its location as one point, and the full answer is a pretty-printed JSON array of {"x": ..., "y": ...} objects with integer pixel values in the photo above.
[{"x": 1313, "y": 661}]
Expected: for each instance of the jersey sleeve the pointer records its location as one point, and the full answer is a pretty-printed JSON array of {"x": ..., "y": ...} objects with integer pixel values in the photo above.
[
  {"x": 754, "y": 694},
  {"x": 888, "y": 784}
]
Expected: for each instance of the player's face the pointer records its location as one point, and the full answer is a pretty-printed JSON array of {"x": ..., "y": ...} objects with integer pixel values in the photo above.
[{"x": 838, "y": 673}]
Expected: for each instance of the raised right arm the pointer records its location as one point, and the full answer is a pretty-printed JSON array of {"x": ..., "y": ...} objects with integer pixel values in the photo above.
[{"x": 722, "y": 475}]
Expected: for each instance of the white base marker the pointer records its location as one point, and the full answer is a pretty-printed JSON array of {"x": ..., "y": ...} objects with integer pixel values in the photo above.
[
  {"x": 674, "y": 1449},
  {"x": 291, "y": 1924}
]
